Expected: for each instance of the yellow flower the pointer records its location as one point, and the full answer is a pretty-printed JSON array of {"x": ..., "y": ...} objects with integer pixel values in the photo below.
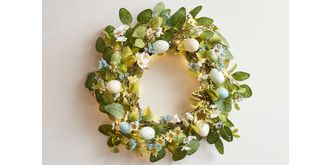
[
  {"x": 177, "y": 131},
  {"x": 169, "y": 136},
  {"x": 160, "y": 140},
  {"x": 154, "y": 152}
]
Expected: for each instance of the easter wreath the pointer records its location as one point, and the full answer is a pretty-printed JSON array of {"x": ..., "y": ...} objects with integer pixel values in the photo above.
[{"x": 126, "y": 51}]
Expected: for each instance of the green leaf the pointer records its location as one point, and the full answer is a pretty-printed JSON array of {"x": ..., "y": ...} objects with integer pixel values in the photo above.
[
  {"x": 228, "y": 55},
  {"x": 167, "y": 36},
  {"x": 104, "y": 98},
  {"x": 207, "y": 35},
  {"x": 140, "y": 32},
  {"x": 139, "y": 43},
  {"x": 226, "y": 134},
  {"x": 194, "y": 12},
  {"x": 194, "y": 145},
  {"x": 165, "y": 13},
  {"x": 125, "y": 16},
  {"x": 109, "y": 29},
  {"x": 248, "y": 92},
  {"x": 106, "y": 129},
  {"x": 100, "y": 45},
  {"x": 205, "y": 21},
  {"x": 226, "y": 106},
  {"x": 107, "y": 54},
  {"x": 240, "y": 76},
  {"x": 145, "y": 16},
  {"x": 147, "y": 114},
  {"x": 213, "y": 94},
  {"x": 158, "y": 8},
  {"x": 155, "y": 22},
  {"x": 115, "y": 110},
  {"x": 219, "y": 146},
  {"x": 213, "y": 137},
  {"x": 159, "y": 156},
  {"x": 116, "y": 58},
  {"x": 178, "y": 18},
  {"x": 90, "y": 81},
  {"x": 224, "y": 41},
  {"x": 178, "y": 154},
  {"x": 113, "y": 141}
]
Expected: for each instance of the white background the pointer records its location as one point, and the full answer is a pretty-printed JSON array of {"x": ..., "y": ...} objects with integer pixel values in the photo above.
[{"x": 257, "y": 31}]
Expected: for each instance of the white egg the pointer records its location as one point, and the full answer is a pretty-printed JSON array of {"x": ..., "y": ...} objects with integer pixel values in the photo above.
[
  {"x": 114, "y": 86},
  {"x": 191, "y": 45},
  {"x": 203, "y": 128},
  {"x": 147, "y": 133},
  {"x": 217, "y": 76},
  {"x": 160, "y": 46}
]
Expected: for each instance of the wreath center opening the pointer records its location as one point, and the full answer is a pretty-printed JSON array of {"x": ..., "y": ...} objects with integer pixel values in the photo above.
[{"x": 167, "y": 86}]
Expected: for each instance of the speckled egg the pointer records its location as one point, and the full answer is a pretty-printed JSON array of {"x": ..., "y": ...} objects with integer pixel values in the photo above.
[
  {"x": 125, "y": 127},
  {"x": 223, "y": 92},
  {"x": 217, "y": 76},
  {"x": 203, "y": 128},
  {"x": 147, "y": 133},
  {"x": 191, "y": 45},
  {"x": 160, "y": 46},
  {"x": 114, "y": 86}
]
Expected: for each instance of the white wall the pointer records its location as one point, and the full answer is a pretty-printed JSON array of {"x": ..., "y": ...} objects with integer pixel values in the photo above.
[{"x": 258, "y": 33}]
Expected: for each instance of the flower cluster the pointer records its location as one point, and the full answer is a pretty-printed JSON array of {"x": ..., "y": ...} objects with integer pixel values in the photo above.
[{"x": 126, "y": 52}]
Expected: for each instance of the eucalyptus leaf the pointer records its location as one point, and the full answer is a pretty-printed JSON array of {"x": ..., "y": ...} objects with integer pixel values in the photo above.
[
  {"x": 178, "y": 18},
  {"x": 159, "y": 156},
  {"x": 109, "y": 29},
  {"x": 194, "y": 12},
  {"x": 219, "y": 146},
  {"x": 158, "y": 8},
  {"x": 165, "y": 13},
  {"x": 106, "y": 129},
  {"x": 240, "y": 76},
  {"x": 228, "y": 55},
  {"x": 100, "y": 45},
  {"x": 226, "y": 134},
  {"x": 115, "y": 110},
  {"x": 205, "y": 21},
  {"x": 140, "y": 32},
  {"x": 90, "y": 81},
  {"x": 207, "y": 35},
  {"x": 248, "y": 92},
  {"x": 107, "y": 54},
  {"x": 145, "y": 16},
  {"x": 178, "y": 154},
  {"x": 213, "y": 137},
  {"x": 104, "y": 97},
  {"x": 223, "y": 39},
  {"x": 193, "y": 145},
  {"x": 125, "y": 16}
]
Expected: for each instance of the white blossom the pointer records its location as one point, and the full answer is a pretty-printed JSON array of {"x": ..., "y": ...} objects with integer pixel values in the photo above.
[
  {"x": 185, "y": 148},
  {"x": 121, "y": 39},
  {"x": 189, "y": 116},
  {"x": 143, "y": 59},
  {"x": 188, "y": 139},
  {"x": 217, "y": 50},
  {"x": 176, "y": 119},
  {"x": 120, "y": 32},
  {"x": 202, "y": 77},
  {"x": 215, "y": 114}
]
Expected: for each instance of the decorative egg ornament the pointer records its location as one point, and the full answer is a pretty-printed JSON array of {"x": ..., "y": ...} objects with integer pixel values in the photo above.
[
  {"x": 147, "y": 133},
  {"x": 216, "y": 76},
  {"x": 125, "y": 54},
  {"x": 191, "y": 45},
  {"x": 160, "y": 46},
  {"x": 223, "y": 92},
  {"x": 114, "y": 86},
  {"x": 203, "y": 128},
  {"x": 125, "y": 127}
]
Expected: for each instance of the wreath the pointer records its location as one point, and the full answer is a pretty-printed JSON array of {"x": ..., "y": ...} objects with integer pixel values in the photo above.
[{"x": 126, "y": 52}]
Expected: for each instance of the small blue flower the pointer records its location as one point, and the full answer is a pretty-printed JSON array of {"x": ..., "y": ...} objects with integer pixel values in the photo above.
[
  {"x": 150, "y": 48},
  {"x": 121, "y": 76},
  {"x": 166, "y": 118},
  {"x": 220, "y": 64},
  {"x": 157, "y": 146},
  {"x": 102, "y": 64},
  {"x": 149, "y": 146},
  {"x": 194, "y": 66},
  {"x": 132, "y": 144}
]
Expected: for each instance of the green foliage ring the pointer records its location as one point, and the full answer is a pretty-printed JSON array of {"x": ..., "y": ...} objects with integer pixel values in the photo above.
[{"x": 126, "y": 51}]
